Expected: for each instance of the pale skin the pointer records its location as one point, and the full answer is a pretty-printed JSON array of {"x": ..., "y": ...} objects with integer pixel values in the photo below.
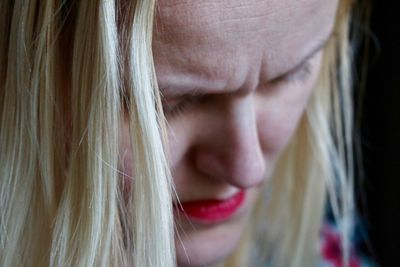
[{"x": 235, "y": 76}]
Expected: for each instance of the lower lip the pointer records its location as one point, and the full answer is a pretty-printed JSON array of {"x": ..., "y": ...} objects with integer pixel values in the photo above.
[{"x": 212, "y": 211}]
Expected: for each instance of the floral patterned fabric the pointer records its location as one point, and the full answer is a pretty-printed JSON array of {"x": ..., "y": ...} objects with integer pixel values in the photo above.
[{"x": 331, "y": 253}]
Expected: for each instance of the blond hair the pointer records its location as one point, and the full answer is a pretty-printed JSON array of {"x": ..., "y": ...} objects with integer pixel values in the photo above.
[
  {"x": 61, "y": 209},
  {"x": 61, "y": 199}
]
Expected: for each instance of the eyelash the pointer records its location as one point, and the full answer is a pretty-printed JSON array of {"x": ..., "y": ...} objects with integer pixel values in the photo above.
[
  {"x": 299, "y": 74},
  {"x": 302, "y": 73},
  {"x": 182, "y": 104}
]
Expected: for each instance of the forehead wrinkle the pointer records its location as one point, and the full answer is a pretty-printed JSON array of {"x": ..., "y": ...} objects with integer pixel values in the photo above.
[
  {"x": 214, "y": 16},
  {"x": 223, "y": 72},
  {"x": 201, "y": 43},
  {"x": 213, "y": 20}
]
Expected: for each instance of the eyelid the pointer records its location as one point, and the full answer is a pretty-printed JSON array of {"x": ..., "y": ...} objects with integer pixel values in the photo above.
[
  {"x": 297, "y": 74},
  {"x": 301, "y": 73},
  {"x": 175, "y": 106}
]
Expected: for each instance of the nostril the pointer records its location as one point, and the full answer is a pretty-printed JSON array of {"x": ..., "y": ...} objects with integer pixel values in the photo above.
[
  {"x": 209, "y": 163},
  {"x": 242, "y": 170}
]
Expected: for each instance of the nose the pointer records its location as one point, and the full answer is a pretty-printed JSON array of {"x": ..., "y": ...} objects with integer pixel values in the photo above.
[{"x": 231, "y": 149}]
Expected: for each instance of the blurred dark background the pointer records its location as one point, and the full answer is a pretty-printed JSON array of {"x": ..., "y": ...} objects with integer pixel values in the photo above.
[{"x": 380, "y": 136}]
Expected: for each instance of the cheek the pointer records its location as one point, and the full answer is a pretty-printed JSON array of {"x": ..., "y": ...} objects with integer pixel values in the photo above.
[
  {"x": 277, "y": 119},
  {"x": 181, "y": 133},
  {"x": 279, "y": 114},
  {"x": 276, "y": 128}
]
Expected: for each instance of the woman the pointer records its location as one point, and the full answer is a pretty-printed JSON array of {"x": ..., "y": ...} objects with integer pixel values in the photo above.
[{"x": 256, "y": 100}]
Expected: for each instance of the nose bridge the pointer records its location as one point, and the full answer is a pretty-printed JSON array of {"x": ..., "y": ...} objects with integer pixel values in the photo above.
[
  {"x": 240, "y": 129},
  {"x": 235, "y": 153}
]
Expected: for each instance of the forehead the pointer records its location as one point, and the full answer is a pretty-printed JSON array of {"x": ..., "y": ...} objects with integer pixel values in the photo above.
[{"x": 232, "y": 42}]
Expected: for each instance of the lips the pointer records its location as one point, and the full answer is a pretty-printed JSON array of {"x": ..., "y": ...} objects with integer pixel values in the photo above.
[{"x": 211, "y": 210}]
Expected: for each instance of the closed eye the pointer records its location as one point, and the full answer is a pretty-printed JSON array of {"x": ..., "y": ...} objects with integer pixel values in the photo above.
[
  {"x": 175, "y": 107},
  {"x": 300, "y": 73}
]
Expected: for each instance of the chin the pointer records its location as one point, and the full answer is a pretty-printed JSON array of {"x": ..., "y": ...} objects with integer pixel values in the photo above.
[{"x": 206, "y": 246}]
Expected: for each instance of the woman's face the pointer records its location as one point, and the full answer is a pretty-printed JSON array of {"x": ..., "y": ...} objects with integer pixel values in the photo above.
[{"x": 235, "y": 77}]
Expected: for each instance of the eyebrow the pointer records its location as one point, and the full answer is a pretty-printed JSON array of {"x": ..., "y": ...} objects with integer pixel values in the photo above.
[
  {"x": 317, "y": 48},
  {"x": 200, "y": 87}
]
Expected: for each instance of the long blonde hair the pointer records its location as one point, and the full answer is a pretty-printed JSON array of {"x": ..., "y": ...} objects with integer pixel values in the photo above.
[{"x": 61, "y": 199}]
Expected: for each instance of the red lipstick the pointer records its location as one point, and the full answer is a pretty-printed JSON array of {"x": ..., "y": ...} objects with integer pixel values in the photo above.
[{"x": 210, "y": 210}]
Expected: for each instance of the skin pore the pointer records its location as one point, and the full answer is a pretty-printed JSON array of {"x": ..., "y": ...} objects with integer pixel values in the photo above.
[{"x": 235, "y": 77}]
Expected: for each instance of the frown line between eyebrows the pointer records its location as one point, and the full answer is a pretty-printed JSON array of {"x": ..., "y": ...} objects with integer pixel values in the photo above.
[{"x": 195, "y": 88}]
